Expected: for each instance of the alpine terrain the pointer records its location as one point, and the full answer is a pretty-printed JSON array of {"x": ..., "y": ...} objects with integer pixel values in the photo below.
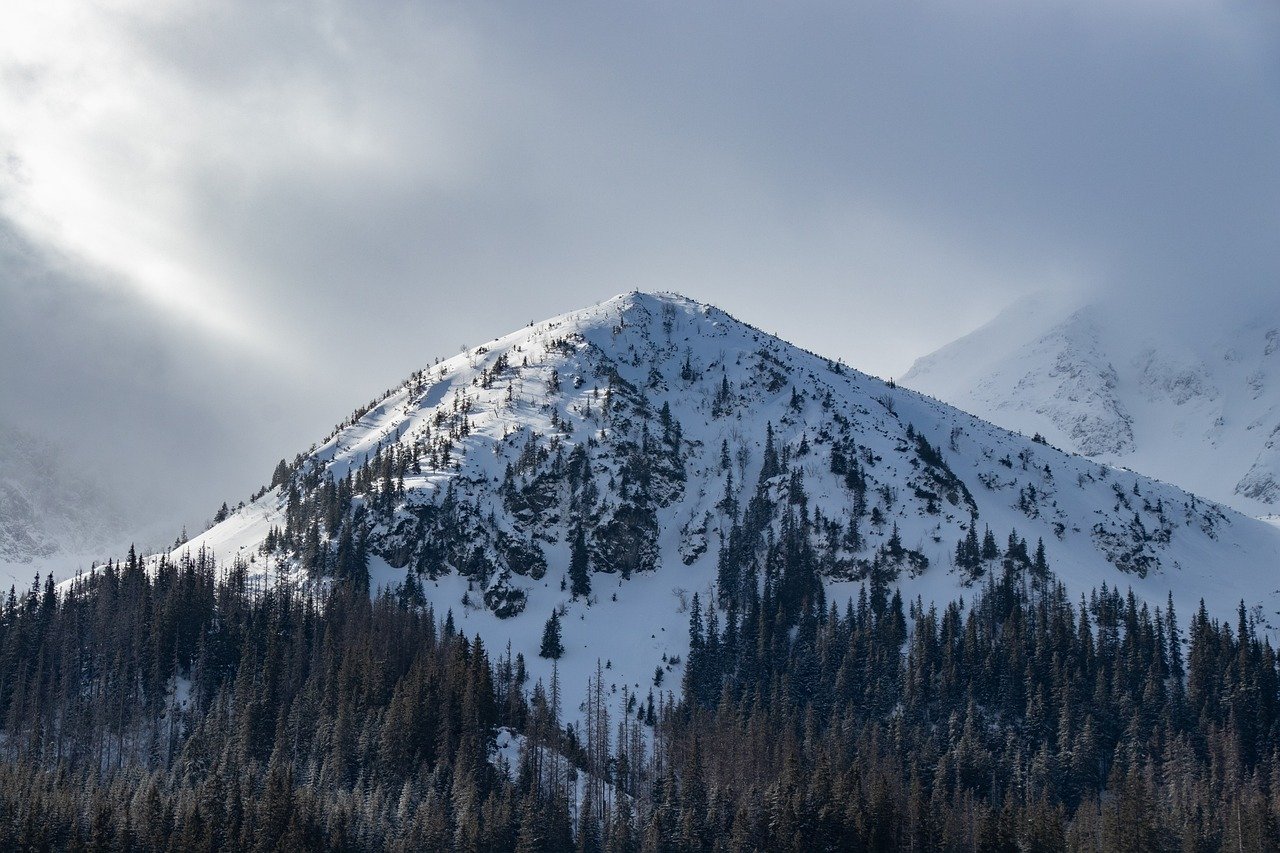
[
  {"x": 645, "y": 578},
  {"x": 617, "y": 464},
  {"x": 1199, "y": 410},
  {"x": 51, "y": 515}
]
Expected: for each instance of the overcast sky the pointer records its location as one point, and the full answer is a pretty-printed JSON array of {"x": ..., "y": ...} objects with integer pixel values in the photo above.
[{"x": 223, "y": 225}]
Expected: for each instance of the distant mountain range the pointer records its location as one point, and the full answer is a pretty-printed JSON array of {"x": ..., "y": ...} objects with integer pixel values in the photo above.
[
  {"x": 1201, "y": 410},
  {"x": 51, "y": 515}
]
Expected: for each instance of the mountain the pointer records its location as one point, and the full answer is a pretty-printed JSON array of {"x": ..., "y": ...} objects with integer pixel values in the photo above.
[
  {"x": 1201, "y": 410},
  {"x": 50, "y": 514},
  {"x": 618, "y": 463}
]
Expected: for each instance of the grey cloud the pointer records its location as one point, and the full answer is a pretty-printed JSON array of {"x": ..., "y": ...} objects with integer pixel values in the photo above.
[{"x": 368, "y": 186}]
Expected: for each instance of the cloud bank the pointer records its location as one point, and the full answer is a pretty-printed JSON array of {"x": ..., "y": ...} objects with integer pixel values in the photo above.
[{"x": 222, "y": 225}]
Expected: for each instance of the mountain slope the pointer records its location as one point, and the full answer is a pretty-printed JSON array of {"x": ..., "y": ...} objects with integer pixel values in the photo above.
[
  {"x": 1202, "y": 411},
  {"x": 49, "y": 514},
  {"x": 664, "y": 449}
]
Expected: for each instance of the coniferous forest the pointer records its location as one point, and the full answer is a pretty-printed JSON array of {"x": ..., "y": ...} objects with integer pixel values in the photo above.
[
  {"x": 433, "y": 426},
  {"x": 183, "y": 708}
]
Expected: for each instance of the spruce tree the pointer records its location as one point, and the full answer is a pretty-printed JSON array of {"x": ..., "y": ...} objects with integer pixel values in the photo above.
[
  {"x": 579, "y": 565},
  {"x": 552, "y": 647},
  {"x": 1040, "y": 565},
  {"x": 990, "y": 550}
]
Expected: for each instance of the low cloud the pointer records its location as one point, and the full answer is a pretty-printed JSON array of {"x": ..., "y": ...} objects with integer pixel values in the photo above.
[{"x": 226, "y": 224}]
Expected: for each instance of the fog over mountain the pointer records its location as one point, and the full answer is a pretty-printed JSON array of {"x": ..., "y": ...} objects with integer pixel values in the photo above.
[
  {"x": 53, "y": 516},
  {"x": 1189, "y": 393},
  {"x": 214, "y": 215},
  {"x": 906, "y": 496}
]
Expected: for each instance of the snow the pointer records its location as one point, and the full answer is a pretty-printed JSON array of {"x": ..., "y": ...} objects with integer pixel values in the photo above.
[
  {"x": 52, "y": 517},
  {"x": 509, "y": 745},
  {"x": 509, "y": 748},
  {"x": 638, "y": 624},
  {"x": 630, "y": 636},
  {"x": 1201, "y": 410}
]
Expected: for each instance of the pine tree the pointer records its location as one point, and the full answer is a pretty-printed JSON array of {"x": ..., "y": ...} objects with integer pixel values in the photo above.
[
  {"x": 770, "y": 466},
  {"x": 552, "y": 647},
  {"x": 579, "y": 565},
  {"x": 990, "y": 550},
  {"x": 1040, "y": 565}
]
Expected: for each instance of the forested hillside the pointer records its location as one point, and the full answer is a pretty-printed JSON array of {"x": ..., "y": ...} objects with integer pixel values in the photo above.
[
  {"x": 642, "y": 578},
  {"x": 602, "y": 467},
  {"x": 181, "y": 710}
]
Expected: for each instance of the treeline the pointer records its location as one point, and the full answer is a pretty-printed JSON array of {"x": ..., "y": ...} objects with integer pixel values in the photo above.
[
  {"x": 180, "y": 708},
  {"x": 1021, "y": 722}
]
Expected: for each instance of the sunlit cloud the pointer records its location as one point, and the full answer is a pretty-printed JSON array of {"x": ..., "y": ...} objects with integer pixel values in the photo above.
[
  {"x": 119, "y": 120},
  {"x": 270, "y": 211}
]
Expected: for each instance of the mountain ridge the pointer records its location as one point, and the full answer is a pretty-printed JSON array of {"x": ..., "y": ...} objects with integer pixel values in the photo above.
[
  {"x": 675, "y": 451},
  {"x": 51, "y": 513},
  {"x": 1198, "y": 408}
]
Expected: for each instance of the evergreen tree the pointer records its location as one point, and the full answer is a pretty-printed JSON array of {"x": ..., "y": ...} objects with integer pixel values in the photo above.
[
  {"x": 552, "y": 647},
  {"x": 990, "y": 551},
  {"x": 579, "y": 565},
  {"x": 327, "y": 718}
]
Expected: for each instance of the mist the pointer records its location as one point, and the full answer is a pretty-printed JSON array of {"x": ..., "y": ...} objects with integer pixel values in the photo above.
[{"x": 225, "y": 225}]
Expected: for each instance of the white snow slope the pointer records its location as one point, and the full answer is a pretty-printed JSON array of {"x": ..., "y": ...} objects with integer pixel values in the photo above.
[
  {"x": 545, "y": 386},
  {"x": 51, "y": 517},
  {"x": 1199, "y": 410}
]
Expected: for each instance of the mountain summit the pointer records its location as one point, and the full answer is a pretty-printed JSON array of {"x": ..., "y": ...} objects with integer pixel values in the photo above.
[
  {"x": 625, "y": 463},
  {"x": 1201, "y": 409},
  {"x": 51, "y": 514}
]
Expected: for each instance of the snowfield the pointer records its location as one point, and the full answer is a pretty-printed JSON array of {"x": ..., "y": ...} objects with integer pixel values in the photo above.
[
  {"x": 1202, "y": 411},
  {"x": 52, "y": 518}
]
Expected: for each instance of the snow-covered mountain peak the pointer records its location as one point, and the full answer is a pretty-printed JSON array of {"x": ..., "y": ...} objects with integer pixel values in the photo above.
[
  {"x": 991, "y": 343},
  {"x": 50, "y": 513},
  {"x": 614, "y": 462},
  {"x": 1197, "y": 403}
]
